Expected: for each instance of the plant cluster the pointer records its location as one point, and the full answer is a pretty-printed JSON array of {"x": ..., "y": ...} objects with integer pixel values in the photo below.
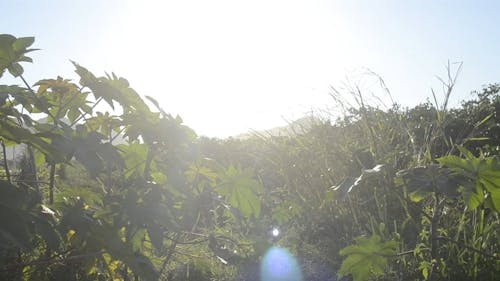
[
  {"x": 397, "y": 194},
  {"x": 110, "y": 186}
]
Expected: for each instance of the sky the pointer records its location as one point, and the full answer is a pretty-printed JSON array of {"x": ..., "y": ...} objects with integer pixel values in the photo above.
[{"x": 227, "y": 67}]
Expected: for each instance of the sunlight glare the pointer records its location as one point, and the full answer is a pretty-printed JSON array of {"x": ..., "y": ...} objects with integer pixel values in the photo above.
[
  {"x": 279, "y": 265},
  {"x": 224, "y": 72}
]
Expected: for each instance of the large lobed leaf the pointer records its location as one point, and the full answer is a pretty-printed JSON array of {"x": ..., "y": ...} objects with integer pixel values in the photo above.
[
  {"x": 12, "y": 51},
  {"x": 483, "y": 178},
  {"x": 242, "y": 191},
  {"x": 424, "y": 180},
  {"x": 368, "y": 257}
]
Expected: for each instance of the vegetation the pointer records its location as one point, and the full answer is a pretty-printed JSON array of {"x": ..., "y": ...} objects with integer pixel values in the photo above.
[{"x": 111, "y": 187}]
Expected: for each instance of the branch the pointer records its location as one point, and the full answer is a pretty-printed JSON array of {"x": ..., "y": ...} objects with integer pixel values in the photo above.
[
  {"x": 197, "y": 241},
  {"x": 170, "y": 253},
  {"x": 117, "y": 134},
  {"x": 33, "y": 92},
  {"x": 52, "y": 182},
  {"x": 51, "y": 261},
  {"x": 410, "y": 252},
  {"x": 149, "y": 160},
  {"x": 83, "y": 114}
]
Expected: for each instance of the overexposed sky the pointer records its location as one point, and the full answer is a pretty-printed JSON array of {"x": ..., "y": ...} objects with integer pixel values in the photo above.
[{"x": 230, "y": 66}]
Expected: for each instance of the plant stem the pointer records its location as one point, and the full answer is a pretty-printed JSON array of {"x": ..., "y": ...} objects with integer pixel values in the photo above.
[
  {"x": 52, "y": 182},
  {"x": 34, "y": 94},
  {"x": 5, "y": 164},
  {"x": 170, "y": 252},
  {"x": 149, "y": 160},
  {"x": 83, "y": 114},
  {"x": 32, "y": 165},
  {"x": 436, "y": 215}
]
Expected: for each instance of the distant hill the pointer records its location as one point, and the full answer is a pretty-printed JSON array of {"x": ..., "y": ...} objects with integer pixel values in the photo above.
[{"x": 297, "y": 127}]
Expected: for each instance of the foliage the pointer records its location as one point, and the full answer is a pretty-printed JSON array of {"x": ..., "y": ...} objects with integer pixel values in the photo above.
[
  {"x": 480, "y": 178},
  {"x": 13, "y": 51},
  {"x": 399, "y": 168},
  {"x": 242, "y": 191},
  {"x": 368, "y": 257},
  {"x": 120, "y": 193},
  {"x": 111, "y": 188}
]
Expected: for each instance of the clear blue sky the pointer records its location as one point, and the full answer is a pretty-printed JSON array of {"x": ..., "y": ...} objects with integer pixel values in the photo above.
[{"x": 230, "y": 66}]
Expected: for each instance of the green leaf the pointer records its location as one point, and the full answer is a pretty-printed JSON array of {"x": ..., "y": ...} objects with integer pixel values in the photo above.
[
  {"x": 456, "y": 163},
  {"x": 419, "y": 181},
  {"x": 22, "y": 43},
  {"x": 242, "y": 191},
  {"x": 422, "y": 181},
  {"x": 134, "y": 155},
  {"x": 6, "y": 40},
  {"x": 480, "y": 177},
  {"x": 425, "y": 266},
  {"x": 368, "y": 257},
  {"x": 469, "y": 155},
  {"x": 137, "y": 239},
  {"x": 478, "y": 124},
  {"x": 16, "y": 69},
  {"x": 73, "y": 114},
  {"x": 137, "y": 262},
  {"x": 25, "y": 59},
  {"x": 12, "y": 51},
  {"x": 154, "y": 102},
  {"x": 7, "y": 54},
  {"x": 495, "y": 199},
  {"x": 201, "y": 175},
  {"x": 489, "y": 177},
  {"x": 473, "y": 195},
  {"x": 478, "y": 139},
  {"x": 12, "y": 131},
  {"x": 112, "y": 89}
]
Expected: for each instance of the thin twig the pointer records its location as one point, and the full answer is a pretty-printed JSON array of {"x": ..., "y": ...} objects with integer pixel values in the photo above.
[{"x": 197, "y": 241}]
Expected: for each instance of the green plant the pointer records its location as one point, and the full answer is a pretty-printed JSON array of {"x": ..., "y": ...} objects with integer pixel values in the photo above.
[{"x": 117, "y": 193}]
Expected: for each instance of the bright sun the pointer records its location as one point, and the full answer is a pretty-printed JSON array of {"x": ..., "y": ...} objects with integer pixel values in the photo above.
[{"x": 228, "y": 67}]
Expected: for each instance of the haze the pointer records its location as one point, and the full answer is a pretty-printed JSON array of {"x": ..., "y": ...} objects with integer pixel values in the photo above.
[{"x": 229, "y": 66}]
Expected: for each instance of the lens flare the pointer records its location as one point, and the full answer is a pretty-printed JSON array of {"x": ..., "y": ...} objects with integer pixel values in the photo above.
[{"x": 279, "y": 265}]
